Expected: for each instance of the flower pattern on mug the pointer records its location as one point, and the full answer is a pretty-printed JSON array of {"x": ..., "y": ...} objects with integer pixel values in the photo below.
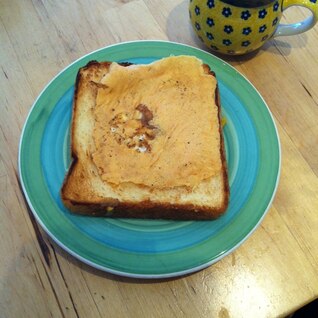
[
  {"x": 245, "y": 15},
  {"x": 246, "y": 31},
  {"x": 209, "y": 36},
  {"x": 227, "y": 42},
  {"x": 275, "y": 21},
  {"x": 228, "y": 29},
  {"x": 226, "y": 12},
  {"x": 197, "y": 10},
  {"x": 210, "y": 4},
  {"x": 262, "y": 28},
  {"x": 233, "y": 30},
  {"x": 262, "y": 14},
  {"x": 276, "y": 6},
  {"x": 265, "y": 37},
  {"x": 210, "y": 22}
]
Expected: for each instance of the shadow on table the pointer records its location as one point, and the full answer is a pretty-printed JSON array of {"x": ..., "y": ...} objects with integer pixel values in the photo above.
[
  {"x": 179, "y": 29},
  {"x": 308, "y": 311}
]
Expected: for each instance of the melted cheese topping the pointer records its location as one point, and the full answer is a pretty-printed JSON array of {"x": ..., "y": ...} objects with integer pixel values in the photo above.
[{"x": 157, "y": 125}]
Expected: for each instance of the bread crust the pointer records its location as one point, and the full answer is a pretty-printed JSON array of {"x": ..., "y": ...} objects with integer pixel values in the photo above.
[{"x": 110, "y": 207}]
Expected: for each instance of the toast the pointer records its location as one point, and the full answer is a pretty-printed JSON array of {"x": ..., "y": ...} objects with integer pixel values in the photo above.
[{"x": 146, "y": 142}]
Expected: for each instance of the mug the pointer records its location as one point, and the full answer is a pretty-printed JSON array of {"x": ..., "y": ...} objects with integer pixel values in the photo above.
[{"x": 236, "y": 27}]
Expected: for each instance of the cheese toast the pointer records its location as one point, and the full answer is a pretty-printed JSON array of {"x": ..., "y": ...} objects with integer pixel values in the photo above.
[{"x": 147, "y": 142}]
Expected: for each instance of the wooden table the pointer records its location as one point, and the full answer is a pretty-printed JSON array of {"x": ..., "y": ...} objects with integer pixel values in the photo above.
[{"x": 272, "y": 274}]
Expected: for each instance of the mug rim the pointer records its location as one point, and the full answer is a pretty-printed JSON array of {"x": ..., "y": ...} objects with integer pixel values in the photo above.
[{"x": 258, "y": 4}]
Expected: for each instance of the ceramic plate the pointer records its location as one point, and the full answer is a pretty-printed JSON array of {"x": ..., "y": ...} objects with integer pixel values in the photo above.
[{"x": 151, "y": 248}]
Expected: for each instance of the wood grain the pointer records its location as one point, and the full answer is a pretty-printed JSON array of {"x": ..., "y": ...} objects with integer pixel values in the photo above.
[{"x": 272, "y": 274}]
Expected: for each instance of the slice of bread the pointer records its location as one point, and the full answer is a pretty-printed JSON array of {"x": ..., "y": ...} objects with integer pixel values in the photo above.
[{"x": 146, "y": 142}]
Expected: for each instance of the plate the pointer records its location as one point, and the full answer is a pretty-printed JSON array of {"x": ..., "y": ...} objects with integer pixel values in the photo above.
[{"x": 151, "y": 248}]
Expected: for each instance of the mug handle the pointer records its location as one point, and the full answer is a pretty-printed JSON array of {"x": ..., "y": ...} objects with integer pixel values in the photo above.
[{"x": 299, "y": 27}]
